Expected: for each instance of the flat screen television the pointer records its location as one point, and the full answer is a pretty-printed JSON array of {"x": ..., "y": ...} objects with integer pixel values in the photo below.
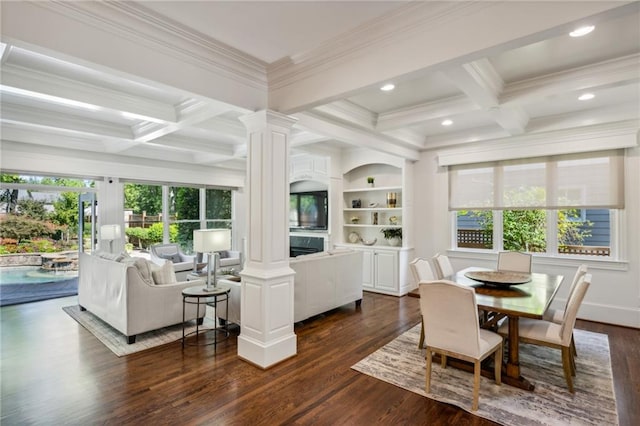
[{"x": 308, "y": 210}]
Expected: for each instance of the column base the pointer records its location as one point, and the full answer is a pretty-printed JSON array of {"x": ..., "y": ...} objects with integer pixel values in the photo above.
[{"x": 266, "y": 355}]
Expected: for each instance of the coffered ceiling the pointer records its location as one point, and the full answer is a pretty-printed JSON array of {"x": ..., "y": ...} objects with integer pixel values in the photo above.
[{"x": 526, "y": 86}]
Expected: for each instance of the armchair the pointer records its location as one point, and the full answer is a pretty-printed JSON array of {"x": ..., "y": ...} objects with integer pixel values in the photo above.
[{"x": 182, "y": 263}]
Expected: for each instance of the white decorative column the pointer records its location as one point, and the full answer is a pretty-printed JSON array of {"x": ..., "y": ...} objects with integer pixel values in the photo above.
[{"x": 266, "y": 335}]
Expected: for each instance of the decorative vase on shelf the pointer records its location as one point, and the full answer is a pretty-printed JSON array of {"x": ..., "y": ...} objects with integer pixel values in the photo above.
[
  {"x": 395, "y": 241},
  {"x": 391, "y": 200}
]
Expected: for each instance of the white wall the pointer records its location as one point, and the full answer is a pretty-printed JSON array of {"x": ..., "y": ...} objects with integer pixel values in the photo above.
[{"x": 614, "y": 296}]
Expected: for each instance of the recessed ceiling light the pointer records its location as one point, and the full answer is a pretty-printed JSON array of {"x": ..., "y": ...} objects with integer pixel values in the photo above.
[
  {"x": 447, "y": 122},
  {"x": 586, "y": 96},
  {"x": 579, "y": 32},
  {"x": 388, "y": 87}
]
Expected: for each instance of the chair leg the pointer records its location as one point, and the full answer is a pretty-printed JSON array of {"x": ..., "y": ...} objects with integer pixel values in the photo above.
[
  {"x": 573, "y": 363},
  {"x": 443, "y": 361},
  {"x": 573, "y": 347},
  {"x": 497, "y": 365},
  {"x": 566, "y": 366},
  {"x": 427, "y": 380},
  {"x": 421, "y": 342},
  {"x": 476, "y": 384}
]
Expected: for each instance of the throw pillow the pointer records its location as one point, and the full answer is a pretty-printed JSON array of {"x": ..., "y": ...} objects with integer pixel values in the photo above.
[
  {"x": 164, "y": 274},
  {"x": 174, "y": 257},
  {"x": 223, "y": 254}
]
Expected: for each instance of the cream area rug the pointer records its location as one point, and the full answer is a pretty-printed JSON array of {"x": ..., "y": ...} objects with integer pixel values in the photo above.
[
  {"x": 117, "y": 342},
  {"x": 401, "y": 363}
]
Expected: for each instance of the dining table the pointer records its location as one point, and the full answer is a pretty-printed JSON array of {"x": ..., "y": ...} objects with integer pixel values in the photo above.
[{"x": 528, "y": 296}]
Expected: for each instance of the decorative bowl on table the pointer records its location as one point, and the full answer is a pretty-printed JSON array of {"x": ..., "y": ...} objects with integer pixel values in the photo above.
[{"x": 499, "y": 278}]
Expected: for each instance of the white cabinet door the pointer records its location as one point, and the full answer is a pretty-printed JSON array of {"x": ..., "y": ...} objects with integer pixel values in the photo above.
[
  {"x": 386, "y": 270},
  {"x": 368, "y": 274}
]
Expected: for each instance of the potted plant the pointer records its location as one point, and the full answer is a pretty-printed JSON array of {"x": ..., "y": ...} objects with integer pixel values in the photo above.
[
  {"x": 370, "y": 180},
  {"x": 393, "y": 235}
]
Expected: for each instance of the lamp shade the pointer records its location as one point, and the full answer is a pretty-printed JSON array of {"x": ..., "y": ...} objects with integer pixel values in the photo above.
[
  {"x": 210, "y": 240},
  {"x": 110, "y": 232}
]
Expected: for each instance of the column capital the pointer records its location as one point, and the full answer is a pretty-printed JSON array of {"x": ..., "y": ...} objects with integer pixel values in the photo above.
[{"x": 260, "y": 119}]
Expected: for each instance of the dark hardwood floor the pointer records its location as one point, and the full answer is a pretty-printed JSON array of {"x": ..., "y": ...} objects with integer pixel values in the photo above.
[{"x": 55, "y": 372}]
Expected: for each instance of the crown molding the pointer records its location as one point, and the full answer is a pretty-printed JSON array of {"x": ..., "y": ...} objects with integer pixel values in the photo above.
[
  {"x": 621, "y": 134},
  {"x": 145, "y": 27}
]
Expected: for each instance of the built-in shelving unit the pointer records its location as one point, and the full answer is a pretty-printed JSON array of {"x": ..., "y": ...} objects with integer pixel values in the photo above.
[{"x": 384, "y": 265}]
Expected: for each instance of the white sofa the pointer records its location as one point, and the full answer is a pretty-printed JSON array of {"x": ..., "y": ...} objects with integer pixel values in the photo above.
[
  {"x": 124, "y": 295},
  {"x": 323, "y": 281}
]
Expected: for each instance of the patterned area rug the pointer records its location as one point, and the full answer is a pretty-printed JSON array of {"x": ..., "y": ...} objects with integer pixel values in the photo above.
[
  {"x": 401, "y": 363},
  {"x": 117, "y": 342}
]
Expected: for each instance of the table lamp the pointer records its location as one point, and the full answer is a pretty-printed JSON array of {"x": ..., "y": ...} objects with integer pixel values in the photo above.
[
  {"x": 211, "y": 241},
  {"x": 110, "y": 233}
]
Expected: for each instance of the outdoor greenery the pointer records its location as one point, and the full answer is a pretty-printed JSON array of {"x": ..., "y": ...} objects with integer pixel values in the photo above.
[
  {"x": 28, "y": 226},
  {"x": 525, "y": 230}
]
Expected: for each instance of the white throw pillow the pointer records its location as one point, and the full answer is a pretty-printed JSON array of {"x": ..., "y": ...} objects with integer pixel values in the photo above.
[{"x": 164, "y": 274}]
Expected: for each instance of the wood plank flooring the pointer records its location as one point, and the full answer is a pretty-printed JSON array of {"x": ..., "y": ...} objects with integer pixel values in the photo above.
[{"x": 55, "y": 372}]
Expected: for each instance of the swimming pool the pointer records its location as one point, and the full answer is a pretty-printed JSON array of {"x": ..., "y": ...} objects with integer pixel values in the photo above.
[{"x": 32, "y": 275}]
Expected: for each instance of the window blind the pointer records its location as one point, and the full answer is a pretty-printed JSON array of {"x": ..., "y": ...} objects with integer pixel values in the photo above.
[{"x": 590, "y": 180}]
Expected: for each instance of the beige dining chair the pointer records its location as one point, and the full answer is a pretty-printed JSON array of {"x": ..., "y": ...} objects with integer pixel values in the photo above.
[
  {"x": 550, "y": 334},
  {"x": 556, "y": 315},
  {"x": 514, "y": 261},
  {"x": 450, "y": 317},
  {"x": 422, "y": 272},
  {"x": 443, "y": 266}
]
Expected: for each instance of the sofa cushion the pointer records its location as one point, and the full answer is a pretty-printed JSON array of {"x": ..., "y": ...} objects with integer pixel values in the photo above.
[
  {"x": 164, "y": 274},
  {"x": 143, "y": 266},
  {"x": 223, "y": 254},
  {"x": 174, "y": 257}
]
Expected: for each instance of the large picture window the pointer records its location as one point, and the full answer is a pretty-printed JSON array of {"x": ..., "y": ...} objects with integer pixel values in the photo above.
[{"x": 556, "y": 205}]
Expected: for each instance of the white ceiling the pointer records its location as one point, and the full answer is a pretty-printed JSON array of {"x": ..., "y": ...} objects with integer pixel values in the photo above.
[{"x": 56, "y": 101}]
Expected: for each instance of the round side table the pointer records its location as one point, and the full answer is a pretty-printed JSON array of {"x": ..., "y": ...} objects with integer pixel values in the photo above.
[{"x": 199, "y": 296}]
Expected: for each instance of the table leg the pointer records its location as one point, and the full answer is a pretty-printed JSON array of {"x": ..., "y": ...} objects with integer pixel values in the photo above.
[
  {"x": 511, "y": 371},
  {"x": 183, "y": 319}
]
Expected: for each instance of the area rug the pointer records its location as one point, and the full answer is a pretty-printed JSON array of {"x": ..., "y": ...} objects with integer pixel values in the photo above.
[
  {"x": 401, "y": 363},
  {"x": 117, "y": 342}
]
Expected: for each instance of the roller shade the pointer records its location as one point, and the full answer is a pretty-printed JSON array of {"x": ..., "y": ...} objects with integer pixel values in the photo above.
[{"x": 590, "y": 180}]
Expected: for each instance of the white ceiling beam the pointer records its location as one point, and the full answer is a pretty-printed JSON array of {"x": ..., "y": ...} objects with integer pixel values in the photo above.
[
  {"x": 592, "y": 76},
  {"x": 480, "y": 81},
  {"x": 49, "y": 138},
  {"x": 408, "y": 136},
  {"x": 348, "y": 111},
  {"x": 351, "y": 62},
  {"x": 355, "y": 136},
  {"x": 33, "y": 83},
  {"x": 190, "y": 112},
  {"x": 199, "y": 146},
  {"x": 427, "y": 111},
  {"x": 52, "y": 120}
]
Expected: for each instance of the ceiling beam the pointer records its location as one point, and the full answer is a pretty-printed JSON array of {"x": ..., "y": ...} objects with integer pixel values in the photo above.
[{"x": 355, "y": 136}]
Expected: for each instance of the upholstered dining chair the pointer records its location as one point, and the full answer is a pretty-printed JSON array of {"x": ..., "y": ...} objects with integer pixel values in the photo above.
[
  {"x": 514, "y": 261},
  {"x": 450, "y": 316},
  {"x": 421, "y": 271},
  {"x": 550, "y": 334},
  {"x": 556, "y": 315},
  {"x": 442, "y": 265}
]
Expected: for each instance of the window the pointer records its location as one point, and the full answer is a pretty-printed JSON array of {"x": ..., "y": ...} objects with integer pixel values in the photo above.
[
  {"x": 555, "y": 205},
  {"x": 187, "y": 209}
]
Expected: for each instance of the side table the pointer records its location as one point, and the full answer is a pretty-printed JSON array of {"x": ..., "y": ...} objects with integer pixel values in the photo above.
[{"x": 198, "y": 296}]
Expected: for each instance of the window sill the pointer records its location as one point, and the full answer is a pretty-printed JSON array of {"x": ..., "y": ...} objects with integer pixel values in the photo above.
[{"x": 594, "y": 262}]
